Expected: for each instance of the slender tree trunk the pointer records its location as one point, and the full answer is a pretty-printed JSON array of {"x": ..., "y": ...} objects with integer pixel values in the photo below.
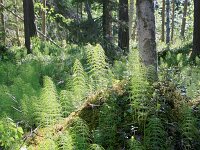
[
  {"x": 17, "y": 28},
  {"x": 3, "y": 33},
  {"x": 123, "y": 33},
  {"x": 173, "y": 16},
  {"x": 88, "y": 10},
  {"x": 107, "y": 29},
  {"x": 167, "y": 21},
  {"x": 184, "y": 19},
  {"x": 29, "y": 23},
  {"x": 163, "y": 21},
  {"x": 146, "y": 33},
  {"x": 196, "y": 32},
  {"x": 131, "y": 15},
  {"x": 44, "y": 18}
]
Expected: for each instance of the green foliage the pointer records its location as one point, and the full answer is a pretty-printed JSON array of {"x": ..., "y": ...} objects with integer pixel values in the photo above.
[
  {"x": 66, "y": 141},
  {"x": 155, "y": 136},
  {"x": 189, "y": 130},
  {"x": 106, "y": 133},
  {"x": 47, "y": 144},
  {"x": 98, "y": 66},
  {"x": 79, "y": 132},
  {"x": 134, "y": 144},
  {"x": 10, "y": 134},
  {"x": 47, "y": 107}
]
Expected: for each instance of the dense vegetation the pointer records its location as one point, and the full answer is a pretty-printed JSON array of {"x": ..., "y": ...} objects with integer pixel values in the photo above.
[{"x": 75, "y": 88}]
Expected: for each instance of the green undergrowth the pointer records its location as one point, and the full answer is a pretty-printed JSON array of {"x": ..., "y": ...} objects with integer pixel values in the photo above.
[{"x": 41, "y": 89}]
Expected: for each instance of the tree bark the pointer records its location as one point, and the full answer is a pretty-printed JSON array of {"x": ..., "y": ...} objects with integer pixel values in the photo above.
[
  {"x": 17, "y": 28},
  {"x": 123, "y": 33},
  {"x": 107, "y": 29},
  {"x": 44, "y": 18},
  {"x": 184, "y": 19},
  {"x": 3, "y": 34},
  {"x": 196, "y": 31},
  {"x": 163, "y": 21},
  {"x": 29, "y": 23},
  {"x": 146, "y": 33},
  {"x": 167, "y": 21},
  {"x": 131, "y": 15},
  {"x": 173, "y": 16}
]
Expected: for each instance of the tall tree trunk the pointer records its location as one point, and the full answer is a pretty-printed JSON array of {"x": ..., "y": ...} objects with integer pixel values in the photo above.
[
  {"x": 17, "y": 28},
  {"x": 123, "y": 33},
  {"x": 173, "y": 16},
  {"x": 29, "y": 23},
  {"x": 88, "y": 10},
  {"x": 3, "y": 33},
  {"x": 146, "y": 33},
  {"x": 44, "y": 18},
  {"x": 163, "y": 21},
  {"x": 184, "y": 18},
  {"x": 167, "y": 21},
  {"x": 107, "y": 29},
  {"x": 131, "y": 15},
  {"x": 196, "y": 32}
]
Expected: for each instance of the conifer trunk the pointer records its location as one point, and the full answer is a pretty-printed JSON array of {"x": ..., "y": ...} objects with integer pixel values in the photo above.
[
  {"x": 131, "y": 14},
  {"x": 17, "y": 28},
  {"x": 29, "y": 23},
  {"x": 107, "y": 29},
  {"x": 123, "y": 33},
  {"x": 167, "y": 21},
  {"x": 196, "y": 31},
  {"x": 184, "y": 19},
  {"x": 163, "y": 21},
  {"x": 173, "y": 17},
  {"x": 146, "y": 33},
  {"x": 44, "y": 19},
  {"x": 3, "y": 34}
]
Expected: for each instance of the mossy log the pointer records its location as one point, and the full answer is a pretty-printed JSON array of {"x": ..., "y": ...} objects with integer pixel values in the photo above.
[{"x": 91, "y": 102}]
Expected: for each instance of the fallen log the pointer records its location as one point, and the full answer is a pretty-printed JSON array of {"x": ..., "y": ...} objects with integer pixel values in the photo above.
[{"x": 92, "y": 101}]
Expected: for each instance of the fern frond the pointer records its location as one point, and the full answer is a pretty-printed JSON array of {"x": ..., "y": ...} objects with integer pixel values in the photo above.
[
  {"x": 98, "y": 66},
  {"x": 66, "y": 141},
  {"x": 48, "y": 109},
  {"x": 79, "y": 132},
  {"x": 135, "y": 145},
  {"x": 155, "y": 136},
  {"x": 188, "y": 128},
  {"x": 47, "y": 144}
]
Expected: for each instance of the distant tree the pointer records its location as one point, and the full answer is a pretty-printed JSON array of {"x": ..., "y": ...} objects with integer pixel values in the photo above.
[
  {"x": 196, "y": 31},
  {"x": 44, "y": 18},
  {"x": 29, "y": 23},
  {"x": 173, "y": 17},
  {"x": 107, "y": 28},
  {"x": 167, "y": 21},
  {"x": 2, "y": 32},
  {"x": 123, "y": 33},
  {"x": 131, "y": 14},
  {"x": 163, "y": 21},
  {"x": 184, "y": 18},
  {"x": 146, "y": 33}
]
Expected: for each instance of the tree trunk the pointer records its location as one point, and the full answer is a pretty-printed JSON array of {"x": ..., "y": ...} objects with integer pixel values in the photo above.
[
  {"x": 131, "y": 15},
  {"x": 17, "y": 28},
  {"x": 123, "y": 33},
  {"x": 196, "y": 32},
  {"x": 146, "y": 33},
  {"x": 163, "y": 21},
  {"x": 184, "y": 18},
  {"x": 167, "y": 21},
  {"x": 3, "y": 33},
  {"x": 107, "y": 29},
  {"x": 44, "y": 18},
  {"x": 173, "y": 16},
  {"x": 29, "y": 23}
]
